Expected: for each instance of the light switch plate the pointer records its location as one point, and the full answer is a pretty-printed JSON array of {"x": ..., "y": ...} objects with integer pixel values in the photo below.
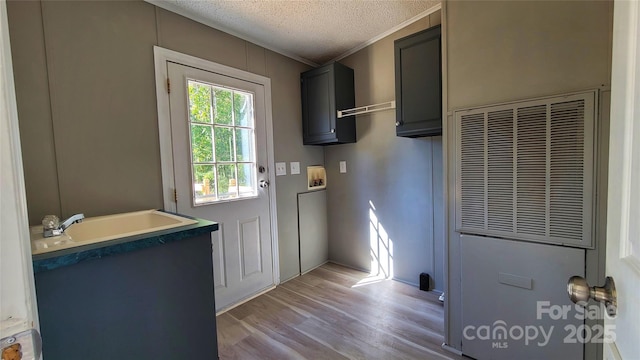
[
  {"x": 281, "y": 168},
  {"x": 343, "y": 167},
  {"x": 295, "y": 168}
]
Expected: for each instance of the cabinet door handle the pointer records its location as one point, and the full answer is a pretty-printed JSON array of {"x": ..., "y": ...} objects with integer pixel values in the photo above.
[
  {"x": 398, "y": 123},
  {"x": 333, "y": 131}
]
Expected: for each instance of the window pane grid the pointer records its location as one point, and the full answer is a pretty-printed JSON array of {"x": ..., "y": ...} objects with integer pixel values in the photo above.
[
  {"x": 233, "y": 148},
  {"x": 222, "y": 162},
  {"x": 225, "y": 158},
  {"x": 215, "y": 156}
]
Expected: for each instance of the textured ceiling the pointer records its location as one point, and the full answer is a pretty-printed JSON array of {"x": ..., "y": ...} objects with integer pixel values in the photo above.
[{"x": 315, "y": 31}]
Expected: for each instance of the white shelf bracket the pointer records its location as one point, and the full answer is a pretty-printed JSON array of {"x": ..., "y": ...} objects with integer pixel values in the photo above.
[{"x": 367, "y": 109}]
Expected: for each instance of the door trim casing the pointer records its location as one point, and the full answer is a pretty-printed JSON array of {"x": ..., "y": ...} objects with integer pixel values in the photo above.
[
  {"x": 161, "y": 57},
  {"x": 19, "y": 306}
]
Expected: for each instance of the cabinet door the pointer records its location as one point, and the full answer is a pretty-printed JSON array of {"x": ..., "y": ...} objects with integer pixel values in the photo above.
[
  {"x": 418, "y": 84},
  {"x": 318, "y": 106}
]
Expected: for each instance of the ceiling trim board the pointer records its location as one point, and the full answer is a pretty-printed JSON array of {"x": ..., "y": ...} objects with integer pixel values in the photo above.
[
  {"x": 388, "y": 32},
  {"x": 175, "y": 9},
  {"x": 200, "y": 19}
]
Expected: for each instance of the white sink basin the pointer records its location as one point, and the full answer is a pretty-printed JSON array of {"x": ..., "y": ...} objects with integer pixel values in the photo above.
[{"x": 104, "y": 228}]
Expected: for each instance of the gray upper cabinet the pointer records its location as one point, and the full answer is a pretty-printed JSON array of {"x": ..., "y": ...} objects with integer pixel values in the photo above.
[
  {"x": 419, "y": 84},
  {"x": 324, "y": 91}
]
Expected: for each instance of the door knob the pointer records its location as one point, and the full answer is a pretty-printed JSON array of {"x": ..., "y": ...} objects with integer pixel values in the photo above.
[
  {"x": 264, "y": 184},
  {"x": 579, "y": 291}
]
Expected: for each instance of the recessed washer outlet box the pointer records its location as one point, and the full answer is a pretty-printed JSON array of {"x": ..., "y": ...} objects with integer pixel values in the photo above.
[{"x": 316, "y": 177}]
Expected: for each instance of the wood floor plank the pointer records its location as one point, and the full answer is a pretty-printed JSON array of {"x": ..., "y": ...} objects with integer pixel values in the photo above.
[
  {"x": 413, "y": 322},
  {"x": 266, "y": 310},
  {"x": 334, "y": 312},
  {"x": 258, "y": 347},
  {"x": 297, "y": 341},
  {"x": 372, "y": 312},
  {"x": 233, "y": 332},
  {"x": 276, "y": 321},
  {"x": 359, "y": 341},
  {"x": 388, "y": 290}
]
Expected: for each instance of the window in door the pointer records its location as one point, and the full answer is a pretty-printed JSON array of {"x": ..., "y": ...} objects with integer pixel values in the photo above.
[{"x": 222, "y": 141}]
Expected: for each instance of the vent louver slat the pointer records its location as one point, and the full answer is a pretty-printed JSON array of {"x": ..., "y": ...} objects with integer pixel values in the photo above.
[
  {"x": 566, "y": 170},
  {"x": 531, "y": 170},
  {"x": 472, "y": 178},
  {"x": 500, "y": 171},
  {"x": 525, "y": 170}
]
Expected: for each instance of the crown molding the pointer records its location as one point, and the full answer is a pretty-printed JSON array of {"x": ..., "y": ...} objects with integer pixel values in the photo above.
[
  {"x": 169, "y": 6},
  {"x": 388, "y": 32}
]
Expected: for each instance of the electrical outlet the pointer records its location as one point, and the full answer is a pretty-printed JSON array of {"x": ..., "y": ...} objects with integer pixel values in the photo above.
[
  {"x": 295, "y": 168},
  {"x": 281, "y": 168},
  {"x": 343, "y": 167}
]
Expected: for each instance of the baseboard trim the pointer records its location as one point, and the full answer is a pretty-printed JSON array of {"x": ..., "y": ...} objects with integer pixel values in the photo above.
[
  {"x": 438, "y": 292},
  {"x": 313, "y": 268},
  {"x": 451, "y": 350},
  {"x": 249, "y": 298},
  {"x": 349, "y": 266},
  {"x": 406, "y": 282},
  {"x": 289, "y": 278}
]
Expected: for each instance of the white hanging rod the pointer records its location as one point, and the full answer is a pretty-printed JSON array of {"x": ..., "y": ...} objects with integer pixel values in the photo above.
[{"x": 367, "y": 109}]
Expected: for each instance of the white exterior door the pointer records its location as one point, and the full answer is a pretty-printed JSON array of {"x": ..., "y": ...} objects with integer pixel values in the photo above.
[
  {"x": 219, "y": 139},
  {"x": 623, "y": 210}
]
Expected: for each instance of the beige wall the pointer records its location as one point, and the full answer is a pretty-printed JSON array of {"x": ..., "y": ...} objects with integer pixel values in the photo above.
[
  {"x": 34, "y": 109},
  {"x": 86, "y": 99},
  {"x": 401, "y": 177},
  {"x": 507, "y": 50},
  {"x": 498, "y": 51}
]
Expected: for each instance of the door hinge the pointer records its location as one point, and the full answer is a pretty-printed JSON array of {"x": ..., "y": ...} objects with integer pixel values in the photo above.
[
  {"x": 168, "y": 86},
  {"x": 175, "y": 196}
]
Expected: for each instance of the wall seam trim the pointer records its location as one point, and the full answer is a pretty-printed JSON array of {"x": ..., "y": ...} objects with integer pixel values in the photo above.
[
  {"x": 48, "y": 66},
  {"x": 157, "y": 21},
  {"x": 433, "y": 218}
]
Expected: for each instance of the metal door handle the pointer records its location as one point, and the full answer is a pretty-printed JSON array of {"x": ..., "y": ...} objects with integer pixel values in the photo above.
[
  {"x": 264, "y": 184},
  {"x": 579, "y": 291}
]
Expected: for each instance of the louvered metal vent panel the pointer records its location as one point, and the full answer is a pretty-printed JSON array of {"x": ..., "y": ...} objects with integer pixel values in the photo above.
[
  {"x": 472, "y": 179},
  {"x": 566, "y": 198},
  {"x": 500, "y": 171},
  {"x": 531, "y": 171},
  {"x": 525, "y": 170}
]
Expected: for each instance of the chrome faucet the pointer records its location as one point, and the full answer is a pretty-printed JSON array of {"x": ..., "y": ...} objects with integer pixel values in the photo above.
[{"x": 51, "y": 227}]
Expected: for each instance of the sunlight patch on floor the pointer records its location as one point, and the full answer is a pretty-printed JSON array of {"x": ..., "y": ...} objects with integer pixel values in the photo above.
[
  {"x": 381, "y": 251},
  {"x": 369, "y": 280}
]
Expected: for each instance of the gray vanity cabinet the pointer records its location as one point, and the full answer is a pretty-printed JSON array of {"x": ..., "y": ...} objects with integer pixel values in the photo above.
[
  {"x": 324, "y": 91},
  {"x": 419, "y": 84},
  {"x": 150, "y": 303}
]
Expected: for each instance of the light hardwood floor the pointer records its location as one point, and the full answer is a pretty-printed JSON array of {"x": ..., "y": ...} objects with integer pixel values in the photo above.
[{"x": 334, "y": 312}]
